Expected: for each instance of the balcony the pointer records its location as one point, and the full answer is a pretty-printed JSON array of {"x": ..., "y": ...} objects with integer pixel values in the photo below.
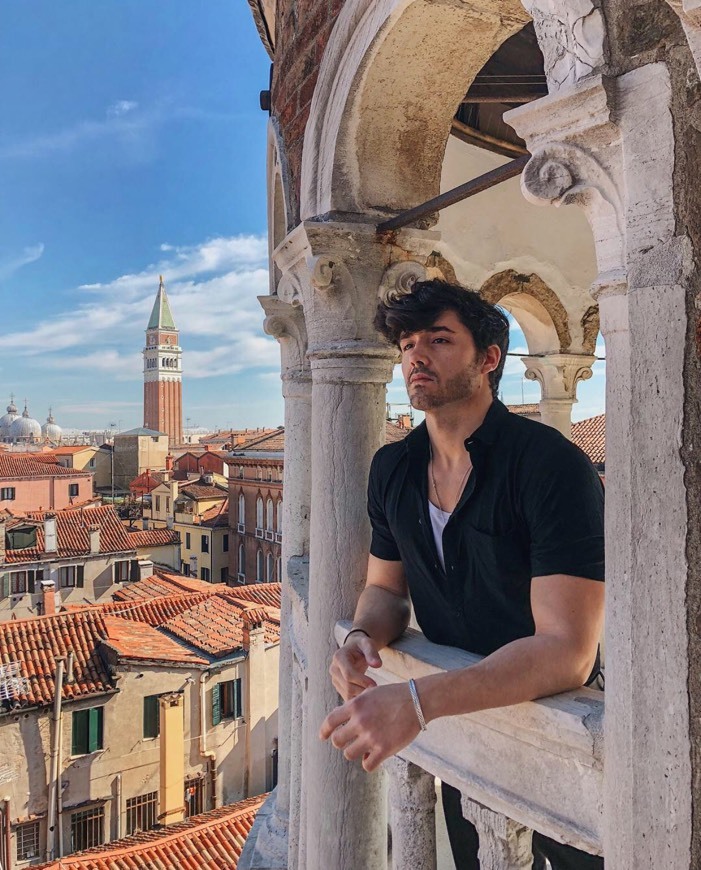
[{"x": 531, "y": 766}]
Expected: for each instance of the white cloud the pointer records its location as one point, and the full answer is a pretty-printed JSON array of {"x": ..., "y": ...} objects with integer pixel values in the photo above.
[
  {"x": 121, "y": 107},
  {"x": 212, "y": 288},
  {"x": 29, "y": 255}
]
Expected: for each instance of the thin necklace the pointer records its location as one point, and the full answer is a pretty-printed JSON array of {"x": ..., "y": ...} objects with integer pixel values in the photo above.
[{"x": 433, "y": 478}]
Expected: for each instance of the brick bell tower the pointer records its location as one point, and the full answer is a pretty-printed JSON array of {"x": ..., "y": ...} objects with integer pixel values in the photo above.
[{"x": 163, "y": 407}]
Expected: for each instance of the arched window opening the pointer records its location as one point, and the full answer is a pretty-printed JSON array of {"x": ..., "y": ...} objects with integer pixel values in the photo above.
[
  {"x": 270, "y": 515},
  {"x": 259, "y": 566},
  {"x": 279, "y": 517},
  {"x": 242, "y": 510},
  {"x": 242, "y": 562},
  {"x": 269, "y": 568},
  {"x": 259, "y": 512}
]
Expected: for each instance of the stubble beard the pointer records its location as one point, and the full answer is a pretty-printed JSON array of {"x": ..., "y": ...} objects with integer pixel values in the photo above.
[{"x": 457, "y": 389}]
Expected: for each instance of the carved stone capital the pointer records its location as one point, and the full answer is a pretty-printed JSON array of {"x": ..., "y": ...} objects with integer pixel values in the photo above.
[
  {"x": 285, "y": 322},
  {"x": 571, "y": 37},
  {"x": 559, "y": 373},
  {"x": 399, "y": 279}
]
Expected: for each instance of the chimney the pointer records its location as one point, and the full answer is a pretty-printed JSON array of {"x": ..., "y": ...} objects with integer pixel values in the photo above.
[
  {"x": 48, "y": 593},
  {"x": 171, "y": 804},
  {"x": 145, "y": 568},
  {"x": 94, "y": 533},
  {"x": 70, "y": 678},
  {"x": 2, "y": 540},
  {"x": 169, "y": 462},
  {"x": 208, "y": 478},
  {"x": 50, "y": 535},
  {"x": 206, "y": 448}
]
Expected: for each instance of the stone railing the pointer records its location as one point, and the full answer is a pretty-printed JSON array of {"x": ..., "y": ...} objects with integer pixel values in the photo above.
[{"x": 535, "y": 766}]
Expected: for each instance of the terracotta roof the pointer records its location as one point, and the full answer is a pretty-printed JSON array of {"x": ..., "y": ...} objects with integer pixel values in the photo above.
[
  {"x": 155, "y": 611},
  {"x": 394, "y": 433},
  {"x": 145, "y": 482},
  {"x": 217, "y": 515},
  {"x": 36, "y": 644},
  {"x": 140, "y": 641},
  {"x": 590, "y": 436},
  {"x": 215, "y": 625},
  {"x": 14, "y": 466},
  {"x": 525, "y": 410},
  {"x": 152, "y": 538},
  {"x": 73, "y": 537},
  {"x": 261, "y": 593},
  {"x": 161, "y": 584},
  {"x": 201, "y": 490},
  {"x": 269, "y": 442},
  {"x": 70, "y": 449},
  {"x": 211, "y": 841}
]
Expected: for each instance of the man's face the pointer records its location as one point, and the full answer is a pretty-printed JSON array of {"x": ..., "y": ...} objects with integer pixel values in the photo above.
[{"x": 441, "y": 364}]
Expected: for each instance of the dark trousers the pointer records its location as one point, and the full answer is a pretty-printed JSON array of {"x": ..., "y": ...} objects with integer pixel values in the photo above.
[{"x": 464, "y": 843}]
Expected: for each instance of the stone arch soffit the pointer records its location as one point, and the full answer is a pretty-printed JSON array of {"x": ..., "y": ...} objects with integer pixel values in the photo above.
[
  {"x": 539, "y": 312},
  {"x": 392, "y": 76},
  {"x": 278, "y": 201}
]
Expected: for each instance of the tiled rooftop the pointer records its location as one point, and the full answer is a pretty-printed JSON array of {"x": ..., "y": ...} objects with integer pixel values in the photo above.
[
  {"x": 217, "y": 515},
  {"x": 139, "y": 641},
  {"x": 211, "y": 841},
  {"x": 152, "y": 538},
  {"x": 72, "y": 529},
  {"x": 163, "y": 583},
  {"x": 590, "y": 436},
  {"x": 145, "y": 482},
  {"x": 200, "y": 490},
  {"x": 14, "y": 466},
  {"x": 144, "y": 628},
  {"x": 215, "y": 625},
  {"x": 260, "y": 593},
  {"x": 525, "y": 410},
  {"x": 37, "y": 643}
]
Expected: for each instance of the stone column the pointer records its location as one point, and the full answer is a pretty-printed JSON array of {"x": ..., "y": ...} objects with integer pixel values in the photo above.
[
  {"x": 295, "y": 731},
  {"x": 412, "y": 810},
  {"x": 504, "y": 844},
  {"x": 285, "y": 321},
  {"x": 337, "y": 270},
  {"x": 558, "y": 375}
]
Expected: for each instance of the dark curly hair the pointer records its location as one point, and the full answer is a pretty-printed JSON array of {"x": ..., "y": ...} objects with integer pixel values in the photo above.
[{"x": 419, "y": 309}]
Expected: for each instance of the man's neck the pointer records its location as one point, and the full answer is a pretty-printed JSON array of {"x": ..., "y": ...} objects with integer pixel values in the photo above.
[{"x": 449, "y": 426}]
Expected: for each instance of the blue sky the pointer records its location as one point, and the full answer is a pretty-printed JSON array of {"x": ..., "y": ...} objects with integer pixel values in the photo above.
[{"x": 132, "y": 144}]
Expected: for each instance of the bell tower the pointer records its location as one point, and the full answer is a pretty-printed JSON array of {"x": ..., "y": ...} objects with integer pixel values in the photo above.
[{"x": 163, "y": 408}]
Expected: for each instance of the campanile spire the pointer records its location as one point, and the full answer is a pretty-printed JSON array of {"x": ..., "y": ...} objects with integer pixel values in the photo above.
[{"x": 163, "y": 370}]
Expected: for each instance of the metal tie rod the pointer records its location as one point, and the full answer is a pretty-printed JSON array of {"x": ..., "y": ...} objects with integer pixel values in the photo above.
[{"x": 457, "y": 194}]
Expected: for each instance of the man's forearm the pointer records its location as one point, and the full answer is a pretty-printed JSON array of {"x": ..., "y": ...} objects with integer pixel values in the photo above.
[
  {"x": 383, "y": 614},
  {"x": 526, "y": 669}
]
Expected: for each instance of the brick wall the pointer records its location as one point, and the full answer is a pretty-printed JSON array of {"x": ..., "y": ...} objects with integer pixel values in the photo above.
[{"x": 303, "y": 29}]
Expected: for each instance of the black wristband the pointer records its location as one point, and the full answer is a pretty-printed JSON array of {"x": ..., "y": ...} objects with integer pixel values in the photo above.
[{"x": 351, "y": 632}]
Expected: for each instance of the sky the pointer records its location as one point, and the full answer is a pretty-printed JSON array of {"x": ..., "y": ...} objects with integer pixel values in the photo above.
[{"x": 133, "y": 145}]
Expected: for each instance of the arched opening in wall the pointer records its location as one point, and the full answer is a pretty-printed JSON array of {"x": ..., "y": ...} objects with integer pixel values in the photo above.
[{"x": 259, "y": 566}]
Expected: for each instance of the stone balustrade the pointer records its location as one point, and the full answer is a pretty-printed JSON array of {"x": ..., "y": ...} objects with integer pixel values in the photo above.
[
  {"x": 531, "y": 766},
  {"x": 535, "y": 766}
]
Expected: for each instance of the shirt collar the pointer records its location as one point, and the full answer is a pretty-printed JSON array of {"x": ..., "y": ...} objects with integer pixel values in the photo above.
[{"x": 416, "y": 441}]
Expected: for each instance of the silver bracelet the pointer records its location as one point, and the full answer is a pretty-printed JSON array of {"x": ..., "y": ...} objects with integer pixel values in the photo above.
[{"x": 417, "y": 705}]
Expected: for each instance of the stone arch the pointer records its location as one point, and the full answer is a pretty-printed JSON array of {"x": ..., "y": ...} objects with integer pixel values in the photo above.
[
  {"x": 536, "y": 307},
  {"x": 374, "y": 142},
  {"x": 278, "y": 199}
]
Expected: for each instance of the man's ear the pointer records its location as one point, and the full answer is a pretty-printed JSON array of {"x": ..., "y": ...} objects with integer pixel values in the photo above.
[{"x": 492, "y": 357}]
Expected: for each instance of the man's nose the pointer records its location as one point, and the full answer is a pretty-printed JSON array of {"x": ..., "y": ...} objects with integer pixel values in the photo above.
[{"x": 417, "y": 355}]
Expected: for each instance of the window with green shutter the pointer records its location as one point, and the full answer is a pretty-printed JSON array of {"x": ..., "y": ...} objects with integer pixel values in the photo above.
[
  {"x": 151, "y": 717},
  {"x": 216, "y": 704},
  {"x": 231, "y": 699},
  {"x": 87, "y": 731}
]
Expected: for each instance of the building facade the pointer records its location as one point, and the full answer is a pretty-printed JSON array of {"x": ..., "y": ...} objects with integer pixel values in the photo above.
[
  {"x": 163, "y": 714},
  {"x": 163, "y": 406},
  {"x": 256, "y": 510},
  {"x": 73, "y": 557},
  {"x": 29, "y": 482},
  {"x": 133, "y": 453}
]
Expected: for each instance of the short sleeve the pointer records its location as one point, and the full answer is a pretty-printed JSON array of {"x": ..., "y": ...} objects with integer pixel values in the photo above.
[
  {"x": 382, "y": 545},
  {"x": 564, "y": 512}
]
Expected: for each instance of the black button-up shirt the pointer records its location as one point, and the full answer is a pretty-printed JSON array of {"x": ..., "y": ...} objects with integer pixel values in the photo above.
[{"x": 532, "y": 506}]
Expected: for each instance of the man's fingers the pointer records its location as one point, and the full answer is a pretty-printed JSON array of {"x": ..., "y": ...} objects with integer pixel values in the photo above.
[
  {"x": 333, "y": 720},
  {"x": 369, "y": 650},
  {"x": 372, "y": 760}
]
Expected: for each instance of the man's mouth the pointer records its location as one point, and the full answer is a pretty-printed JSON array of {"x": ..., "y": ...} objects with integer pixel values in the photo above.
[{"x": 420, "y": 376}]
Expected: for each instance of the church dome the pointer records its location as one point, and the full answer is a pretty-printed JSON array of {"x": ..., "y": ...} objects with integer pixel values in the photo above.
[
  {"x": 25, "y": 428},
  {"x": 8, "y": 419},
  {"x": 51, "y": 431}
]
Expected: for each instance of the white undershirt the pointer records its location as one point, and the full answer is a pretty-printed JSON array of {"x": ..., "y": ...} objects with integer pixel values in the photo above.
[{"x": 439, "y": 520}]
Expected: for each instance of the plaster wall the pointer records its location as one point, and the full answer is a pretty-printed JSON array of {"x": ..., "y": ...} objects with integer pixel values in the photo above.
[
  {"x": 46, "y": 493},
  {"x": 98, "y": 584}
]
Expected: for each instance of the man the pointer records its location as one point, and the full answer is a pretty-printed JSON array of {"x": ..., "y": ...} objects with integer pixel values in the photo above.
[{"x": 492, "y": 525}]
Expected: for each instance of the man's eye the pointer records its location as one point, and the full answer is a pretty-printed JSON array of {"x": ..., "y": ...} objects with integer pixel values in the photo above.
[
  {"x": 407, "y": 346},
  {"x": 439, "y": 340}
]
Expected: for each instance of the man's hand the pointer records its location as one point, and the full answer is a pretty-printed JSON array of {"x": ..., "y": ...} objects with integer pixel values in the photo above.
[
  {"x": 374, "y": 725},
  {"x": 350, "y": 663}
]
